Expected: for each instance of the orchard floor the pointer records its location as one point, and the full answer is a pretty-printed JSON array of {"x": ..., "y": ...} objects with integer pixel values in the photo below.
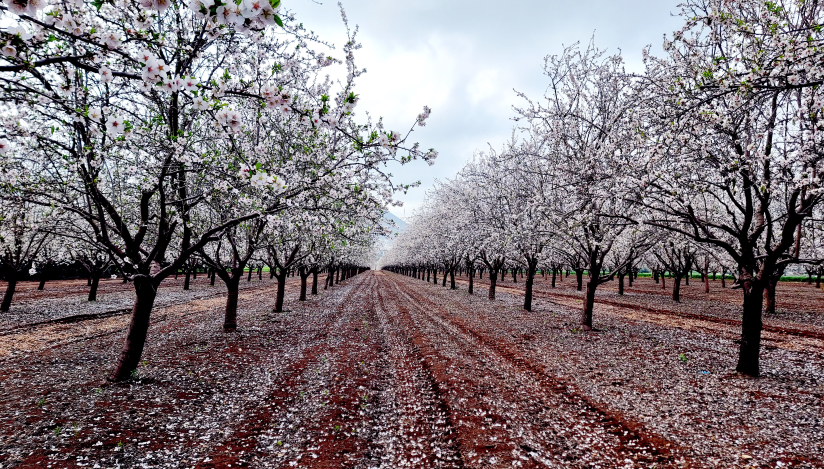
[{"x": 385, "y": 371}]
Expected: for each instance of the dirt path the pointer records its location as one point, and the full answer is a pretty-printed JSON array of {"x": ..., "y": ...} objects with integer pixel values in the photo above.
[{"x": 388, "y": 372}]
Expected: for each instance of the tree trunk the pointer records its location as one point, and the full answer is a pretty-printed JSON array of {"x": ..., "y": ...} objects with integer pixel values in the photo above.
[
  {"x": 249, "y": 277},
  {"x": 212, "y": 280},
  {"x": 579, "y": 275},
  {"x": 304, "y": 277},
  {"x": 95, "y": 284},
  {"x": 260, "y": 273},
  {"x": 452, "y": 280},
  {"x": 337, "y": 276},
  {"x": 9, "y": 293},
  {"x": 471, "y": 273},
  {"x": 444, "y": 279},
  {"x": 655, "y": 275},
  {"x": 706, "y": 277},
  {"x": 809, "y": 278},
  {"x": 818, "y": 280},
  {"x": 769, "y": 294},
  {"x": 553, "y": 278},
  {"x": 751, "y": 328},
  {"x": 723, "y": 278},
  {"x": 145, "y": 294},
  {"x": 676, "y": 289},
  {"x": 186, "y": 281},
  {"x": 589, "y": 303},
  {"x": 514, "y": 275},
  {"x": 663, "y": 280},
  {"x": 281, "y": 291},
  {"x": 621, "y": 284},
  {"x": 435, "y": 276},
  {"x": 230, "y": 316},
  {"x": 42, "y": 284},
  {"x": 530, "y": 278},
  {"x": 493, "y": 280},
  {"x": 631, "y": 276},
  {"x": 314, "y": 282}
]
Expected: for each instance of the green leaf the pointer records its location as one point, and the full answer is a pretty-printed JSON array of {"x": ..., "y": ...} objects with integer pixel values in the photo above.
[
  {"x": 278, "y": 21},
  {"x": 97, "y": 3}
]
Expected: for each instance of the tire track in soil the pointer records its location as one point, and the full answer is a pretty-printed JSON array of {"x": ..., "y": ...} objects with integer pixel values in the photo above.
[
  {"x": 592, "y": 432},
  {"x": 418, "y": 427},
  {"x": 810, "y": 340},
  {"x": 297, "y": 420}
]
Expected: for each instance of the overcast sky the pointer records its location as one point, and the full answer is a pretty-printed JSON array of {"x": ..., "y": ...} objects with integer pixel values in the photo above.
[{"x": 465, "y": 58}]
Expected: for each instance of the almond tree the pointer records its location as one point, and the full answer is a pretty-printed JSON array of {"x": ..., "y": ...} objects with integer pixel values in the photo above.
[
  {"x": 112, "y": 111},
  {"x": 734, "y": 160},
  {"x": 584, "y": 137}
]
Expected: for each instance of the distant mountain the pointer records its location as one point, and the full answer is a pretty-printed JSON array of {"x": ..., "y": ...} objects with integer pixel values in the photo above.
[{"x": 400, "y": 225}]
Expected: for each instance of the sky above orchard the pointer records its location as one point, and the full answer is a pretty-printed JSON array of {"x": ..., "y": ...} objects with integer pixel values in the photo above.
[{"x": 465, "y": 59}]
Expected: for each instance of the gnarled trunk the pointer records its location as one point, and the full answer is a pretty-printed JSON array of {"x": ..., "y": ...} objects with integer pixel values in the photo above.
[{"x": 145, "y": 294}]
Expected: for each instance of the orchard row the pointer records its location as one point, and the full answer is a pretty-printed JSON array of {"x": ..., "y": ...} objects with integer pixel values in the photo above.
[{"x": 711, "y": 160}]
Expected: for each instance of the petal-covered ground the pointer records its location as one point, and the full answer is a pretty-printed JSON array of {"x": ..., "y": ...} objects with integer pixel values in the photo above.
[{"x": 386, "y": 371}]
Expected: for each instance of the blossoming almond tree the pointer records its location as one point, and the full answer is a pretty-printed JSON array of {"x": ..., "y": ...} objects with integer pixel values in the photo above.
[
  {"x": 111, "y": 111},
  {"x": 735, "y": 160}
]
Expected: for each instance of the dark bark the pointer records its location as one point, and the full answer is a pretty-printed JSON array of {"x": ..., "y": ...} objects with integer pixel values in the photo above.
[
  {"x": 553, "y": 277},
  {"x": 471, "y": 289},
  {"x": 530, "y": 278},
  {"x": 230, "y": 315},
  {"x": 9, "y": 293},
  {"x": 621, "y": 283},
  {"x": 493, "y": 281},
  {"x": 589, "y": 303},
  {"x": 304, "y": 277},
  {"x": 281, "y": 278},
  {"x": 186, "y": 281},
  {"x": 655, "y": 275},
  {"x": 444, "y": 278},
  {"x": 249, "y": 277},
  {"x": 676, "y": 289},
  {"x": 42, "y": 284},
  {"x": 212, "y": 280},
  {"x": 314, "y": 282},
  {"x": 452, "y": 280},
  {"x": 751, "y": 325},
  {"x": 95, "y": 284},
  {"x": 145, "y": 294},
  {"x": 579, "y": 276}
]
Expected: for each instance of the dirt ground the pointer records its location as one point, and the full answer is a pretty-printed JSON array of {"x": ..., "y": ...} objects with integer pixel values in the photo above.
[{"x": 386, "y": 371}]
